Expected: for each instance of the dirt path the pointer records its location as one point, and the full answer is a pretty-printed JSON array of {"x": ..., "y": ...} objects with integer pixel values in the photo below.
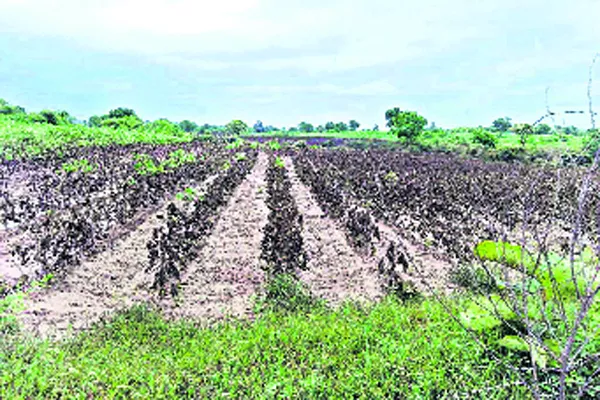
[
  {"x": 227, "y": 272},
  {"x": 335, "y": 272},
  {"x": 111, "y": 280}
]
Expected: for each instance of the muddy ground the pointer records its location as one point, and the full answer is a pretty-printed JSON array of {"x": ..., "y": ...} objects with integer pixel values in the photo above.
[{"x": 228, "y": 274}]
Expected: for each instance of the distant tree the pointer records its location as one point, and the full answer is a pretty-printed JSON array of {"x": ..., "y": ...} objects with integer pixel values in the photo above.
[
  {"x": 64, "y": 117},
  {"x": 305, "y": 127},
  {"x": 405, "y": 124},
  {"x": 94, "y": 121},
  {"x": 293, "y": 129},
  {"x": 320, "y": 128},
  {"x": 502, "y": 124},
  {"x": 236, "y": 127},
  {"x": 189, "y": 126},
  {"x": 376, "y": 128},
  {"x": 390, "y": 115},
  {"x": 121, "y": 112},
  {"x": 8, "y": 109},
  {"x": 259, "y": 127},
  {"x": 542, "y": 129},
  {"x": 432, "y": 126},
  {"x": 341, "y": 127},
  {"x": 524, "y": 131},
  {"x": 329, "y": 126},
  {"x": 353, "y": 125},
  {"x": 129, "y": 122},
  {"x": 571, "y": 130},
  {"x": 50, "y": 117}
]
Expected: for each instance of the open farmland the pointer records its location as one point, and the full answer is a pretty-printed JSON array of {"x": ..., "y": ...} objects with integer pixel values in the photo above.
[{"x": 212, "y": 234}]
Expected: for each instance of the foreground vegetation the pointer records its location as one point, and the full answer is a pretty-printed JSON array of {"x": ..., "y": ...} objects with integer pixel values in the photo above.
[{"x": 393, "y": 349}]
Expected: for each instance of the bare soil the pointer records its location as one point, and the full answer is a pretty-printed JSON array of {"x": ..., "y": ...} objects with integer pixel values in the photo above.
[
  {"x": 111, "y": 280},
  {"x": 228, "y": 272},
  {"x": 335, "y": 272}
]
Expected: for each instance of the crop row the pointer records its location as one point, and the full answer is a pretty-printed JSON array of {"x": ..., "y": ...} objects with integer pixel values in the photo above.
[
  {"x": 282, "y": 243},
  {"x": 444, "y": 200},
  {"x": 64, "y": 237},
  {"x": 178, "y": 241}
]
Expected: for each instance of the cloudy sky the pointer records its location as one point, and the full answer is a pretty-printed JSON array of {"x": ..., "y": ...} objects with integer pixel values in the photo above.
[{"x": 461, "y": 62}]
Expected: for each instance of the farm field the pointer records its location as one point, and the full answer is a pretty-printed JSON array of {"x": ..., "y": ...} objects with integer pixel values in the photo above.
[{"x": 206, "y": 269}]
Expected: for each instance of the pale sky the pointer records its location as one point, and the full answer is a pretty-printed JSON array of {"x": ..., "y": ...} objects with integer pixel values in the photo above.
[{"x": 458, "y": 63}]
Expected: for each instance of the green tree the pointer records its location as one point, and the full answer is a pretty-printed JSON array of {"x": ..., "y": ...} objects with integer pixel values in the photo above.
[
  {"x": 542, "y": 129},
  {"x": 94, "y": 121},
  {"x": 523, "y": 130},
  {"x": 405, "y": 124},
  {"x": 341, "y": 127},
  {"x": 129, "y": 123},
  {"x": 502, "y": 124},
  {"x": 305, "y": 127},
  {"x": 8, "y": 109},
  {"x": 236, "y": 127},
  {"x": 353, "y": 125},
  {"x": 376, "y": 128},
  {"x": 571, "y": 130},
  {"x": 390, "y": 115},
  {"x": 121, "y": 112},
  {"x": 329, "y": 126},
  {"x": 50, "y": 117},
  {"x": 189, "y": 126}
]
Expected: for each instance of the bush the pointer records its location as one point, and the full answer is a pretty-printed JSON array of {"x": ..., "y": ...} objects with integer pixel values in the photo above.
[{"x": 485, "y": 138}]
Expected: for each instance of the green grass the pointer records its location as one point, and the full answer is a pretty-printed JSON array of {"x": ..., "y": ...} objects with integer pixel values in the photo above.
[
  {"x": 410, "y": 350},
  {"x": 22, "y": 137},
  {"x": 459, "y": 139}
]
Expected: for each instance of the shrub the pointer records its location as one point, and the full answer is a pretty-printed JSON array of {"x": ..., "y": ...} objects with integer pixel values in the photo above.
[{"x": 485, "y": 138}]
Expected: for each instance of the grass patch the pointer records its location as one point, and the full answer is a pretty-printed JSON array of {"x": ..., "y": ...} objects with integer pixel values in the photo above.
[{"x": 389, "y": 350}]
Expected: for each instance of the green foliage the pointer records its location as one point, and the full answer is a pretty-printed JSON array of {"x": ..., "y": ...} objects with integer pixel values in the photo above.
[
  {"x": 146, "y": 165},
  {"x": 389, "y": 350},
  {"x": 552, "y": 274},
  {"x": 236, "y": 127},
  {"x": 188, "y": 194},
  {"x": 189, "y": 126},
  {"x": 523, "y": 131},
  {"x": 306, "y": 127},
  {"x": 285, "y": 293},
  {"x": 391, "y": 177},
  {"x": 82, "y": 165},
  {"x": 353, "y": 125},
  {"x": 279, "y": 162},
  {"x": 121, "y": 112},
  {"x": 236, "y": 144},
  {"x": 128, "y": 123},
  {"x": 502, "y": 124},
  {"x": 542, "y": 129},
  {"x": 178, "y": 158},
  {"x": 165, "y": 127},
  {"x": 8, "y": 109},
  {"x": 485, "y": 138},
  {"x": 95, "y": 121},
  {"x": 274, "y": 145},
  {"x": 405, "y": 124},
  {"x": 241, "y": 156}
]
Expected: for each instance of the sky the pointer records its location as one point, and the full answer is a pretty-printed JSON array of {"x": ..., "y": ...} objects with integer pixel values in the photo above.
[{"x": 458, "y": 63}]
